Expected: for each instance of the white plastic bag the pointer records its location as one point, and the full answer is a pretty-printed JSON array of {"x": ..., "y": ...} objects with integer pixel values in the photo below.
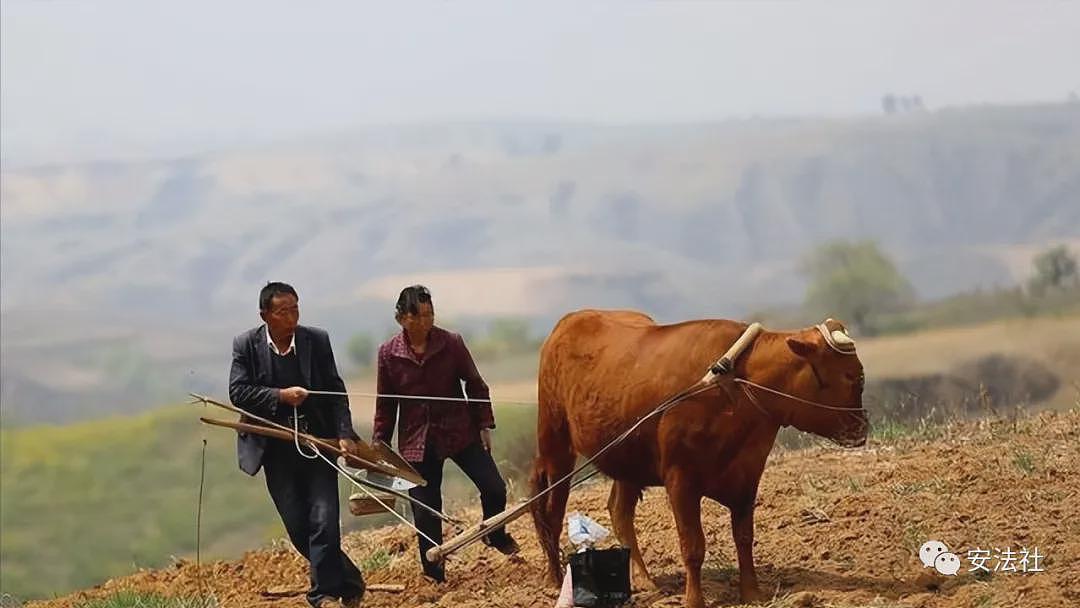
[{"x": 583, "y": 531}]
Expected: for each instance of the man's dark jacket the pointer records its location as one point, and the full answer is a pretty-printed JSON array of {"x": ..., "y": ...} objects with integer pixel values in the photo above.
[{"x": 251, "y": 389}]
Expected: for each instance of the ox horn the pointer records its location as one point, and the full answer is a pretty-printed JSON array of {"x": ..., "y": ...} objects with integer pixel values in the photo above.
[
  {"x": 841, "y": 338},
  {"x": 837, "y": 339}
]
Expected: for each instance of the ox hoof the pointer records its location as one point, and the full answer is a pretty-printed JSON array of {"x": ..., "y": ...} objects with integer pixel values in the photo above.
[
  {"x": 643, "y": 583},
  {"x": 750, "y": 595}
]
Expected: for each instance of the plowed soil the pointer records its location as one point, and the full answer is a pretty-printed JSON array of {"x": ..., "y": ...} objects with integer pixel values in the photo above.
[{"x": 833, "y": 528}]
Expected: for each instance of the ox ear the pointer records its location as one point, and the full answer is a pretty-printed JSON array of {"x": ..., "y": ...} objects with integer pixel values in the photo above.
[{"x": 801, "y": 347}]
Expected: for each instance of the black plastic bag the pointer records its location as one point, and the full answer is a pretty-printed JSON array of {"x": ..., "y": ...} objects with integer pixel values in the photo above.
[{"x": 601, "y": 577}]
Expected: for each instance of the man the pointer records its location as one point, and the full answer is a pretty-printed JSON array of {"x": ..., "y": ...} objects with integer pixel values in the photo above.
[
  {"x": 427, "y": 361},
  {"x": 273, "y": 367}
]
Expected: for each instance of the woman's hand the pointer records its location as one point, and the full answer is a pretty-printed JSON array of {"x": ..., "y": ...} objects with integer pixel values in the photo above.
[
  {"x": 485, "y": 438},
  {"x": 347, "y": 445}
]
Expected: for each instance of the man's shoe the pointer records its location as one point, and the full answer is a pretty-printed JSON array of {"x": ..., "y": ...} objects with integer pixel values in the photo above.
[
  {"x": 352, "y": 602},
  {"x": 504, "y": 543}
]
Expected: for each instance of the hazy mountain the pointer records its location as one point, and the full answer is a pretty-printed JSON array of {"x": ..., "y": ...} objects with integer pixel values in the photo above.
[{"x": 160, "y": 261}]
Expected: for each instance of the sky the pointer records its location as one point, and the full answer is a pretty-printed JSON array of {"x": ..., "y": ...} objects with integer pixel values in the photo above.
[{"x": 82, "y": 80}]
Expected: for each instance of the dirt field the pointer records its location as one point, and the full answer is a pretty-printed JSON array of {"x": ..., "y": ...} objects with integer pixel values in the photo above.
[{"x": 834, "y": 528}]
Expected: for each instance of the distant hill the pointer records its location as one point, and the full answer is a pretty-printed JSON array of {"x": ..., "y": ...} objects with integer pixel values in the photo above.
[
  {"x": 186, "y": 235},
  {"x": 149, "y": 268}
]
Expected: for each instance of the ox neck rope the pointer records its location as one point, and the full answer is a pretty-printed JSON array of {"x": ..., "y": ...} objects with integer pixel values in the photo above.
[
  {"x": 839, "y": 341},
  {"x": 746, "y": 383}
]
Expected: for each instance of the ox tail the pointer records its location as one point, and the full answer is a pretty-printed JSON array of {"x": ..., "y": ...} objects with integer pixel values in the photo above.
[
  {"x": 547, "y": 531},
  {"x": 554, "y": 460},
  {"x": 554, "y": 455}
]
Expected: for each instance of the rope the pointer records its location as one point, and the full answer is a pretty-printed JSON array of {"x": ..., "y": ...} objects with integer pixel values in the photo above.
[
  {"x": 317, "y": 454},
  {"x": 208, "y": 401},
  {"x": 671, "y": 402},
  {"x": 296, "y": 439},
  {"x": 409, "y": 499},
  {"x": 794, "y": 398},
  {"x": 200, "y": 579},
  {"x": 376, "y": 498},
  {"x": 198, "y": 521},
  {"x": 697, "y": 388},
  {"x": 466, "y": 400}
]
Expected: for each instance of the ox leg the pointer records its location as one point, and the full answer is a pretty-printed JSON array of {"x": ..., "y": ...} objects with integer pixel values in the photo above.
[
  {"x": 621, "y": 506},
  {"x": 686, "y": 504},
  {"x": 742, "y": 528}
]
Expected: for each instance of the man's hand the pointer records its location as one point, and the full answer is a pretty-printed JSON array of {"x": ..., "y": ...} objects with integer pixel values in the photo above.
[
  {"x": 347, "y": 445},
  {"x": 294, "y": 395},
  {"x": 485, "y": 438}
]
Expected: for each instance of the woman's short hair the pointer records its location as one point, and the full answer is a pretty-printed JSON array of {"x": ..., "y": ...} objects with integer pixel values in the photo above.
[{"x": 408, "y": 303}]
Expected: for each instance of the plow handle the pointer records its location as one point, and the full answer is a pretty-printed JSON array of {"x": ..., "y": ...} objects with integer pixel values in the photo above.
[{"x": 472, "y": 534}]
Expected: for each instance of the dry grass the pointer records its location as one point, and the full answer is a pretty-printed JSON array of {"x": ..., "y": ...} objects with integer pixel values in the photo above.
[{"x": 1054, "y": 342}]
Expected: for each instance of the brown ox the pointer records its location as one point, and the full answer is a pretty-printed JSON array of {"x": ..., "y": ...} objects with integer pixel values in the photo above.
[{"x": 602, "y": 370}]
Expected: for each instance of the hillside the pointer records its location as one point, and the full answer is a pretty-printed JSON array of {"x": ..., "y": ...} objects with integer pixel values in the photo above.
[
  {"x": 128, "y": 486},
  {"x": 122, "y": 493},
  {"x": 834, "y": 528},
  {"x": 95, "y": 499}
]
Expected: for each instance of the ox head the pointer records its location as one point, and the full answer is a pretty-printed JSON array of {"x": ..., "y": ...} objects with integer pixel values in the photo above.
[{"x": 829, "y": 374}]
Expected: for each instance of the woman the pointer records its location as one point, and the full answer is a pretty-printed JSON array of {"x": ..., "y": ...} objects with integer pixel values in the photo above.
[{"x": 428, "y": 361}]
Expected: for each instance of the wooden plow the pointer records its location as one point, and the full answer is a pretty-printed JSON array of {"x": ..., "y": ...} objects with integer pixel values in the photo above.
[{"x": 377, "y": 459}]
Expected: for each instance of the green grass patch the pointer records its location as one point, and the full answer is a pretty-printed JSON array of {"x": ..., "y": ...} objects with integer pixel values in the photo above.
[
  {"x": 1024, "y": 461},
  {"x": 855, "y": 485},
  {"x": 376, "y": 561},
  {"x": 914, "y": 536},
  {"x": 95, "y": 500},
  {"x": 132, "y": 599}
]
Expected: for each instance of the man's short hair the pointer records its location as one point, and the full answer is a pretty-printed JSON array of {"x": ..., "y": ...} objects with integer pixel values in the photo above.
[{"x": 274, "y": 288}]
